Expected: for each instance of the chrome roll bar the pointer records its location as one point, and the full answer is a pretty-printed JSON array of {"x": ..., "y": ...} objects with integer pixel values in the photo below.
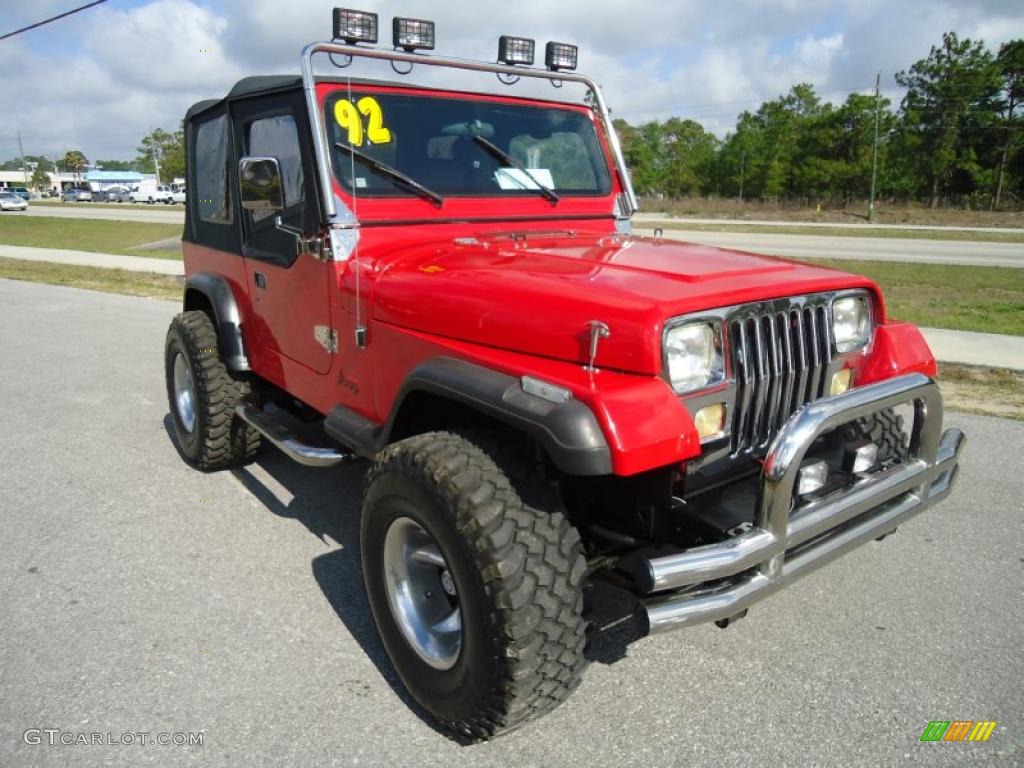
[{"x": 323, "y": 162}]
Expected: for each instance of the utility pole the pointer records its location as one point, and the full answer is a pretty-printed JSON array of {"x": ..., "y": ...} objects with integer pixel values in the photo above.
[
  {"x": 156, "y": 164},
  {"x": 743, "y": 162},
  {"x": 874, "y": 150},
  {"x": 24, "y": 168}
]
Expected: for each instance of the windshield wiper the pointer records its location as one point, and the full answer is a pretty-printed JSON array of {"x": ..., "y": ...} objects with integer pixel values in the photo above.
[
  {"x": 509, "y": 162},
  {"x": 392, "y": 173}
]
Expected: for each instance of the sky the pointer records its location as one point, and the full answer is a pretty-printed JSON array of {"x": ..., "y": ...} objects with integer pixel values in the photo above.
[{"x": 100, "y": 80}]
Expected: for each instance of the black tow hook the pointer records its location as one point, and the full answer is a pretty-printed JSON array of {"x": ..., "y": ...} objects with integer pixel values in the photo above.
[{"x": 724, "y": 623}]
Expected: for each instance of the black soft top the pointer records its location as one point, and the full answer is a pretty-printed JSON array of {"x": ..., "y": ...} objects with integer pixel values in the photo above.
[{"x": 260, "y": 85}]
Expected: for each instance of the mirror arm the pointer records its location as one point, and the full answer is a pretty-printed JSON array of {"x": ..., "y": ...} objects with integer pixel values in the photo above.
[{"x": 303, "y": 244}]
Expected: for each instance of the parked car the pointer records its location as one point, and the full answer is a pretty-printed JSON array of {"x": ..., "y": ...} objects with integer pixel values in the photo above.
[
  {"x": 77, "y": 195},
  {"x": 178, "y": 195},
  {"x": 150, "y": 192},
  {"x": 20, "y": 192},
  {"x": 545, "y": 400},
  {"x": 116, "y": 195},
  {"x": 12, "y": 202}
]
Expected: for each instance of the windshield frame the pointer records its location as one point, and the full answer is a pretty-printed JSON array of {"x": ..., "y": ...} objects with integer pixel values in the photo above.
[{"x": 339, "y": 217}]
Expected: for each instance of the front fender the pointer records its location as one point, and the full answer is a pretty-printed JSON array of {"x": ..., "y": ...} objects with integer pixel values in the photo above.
[{"x": 897, "y": 349}]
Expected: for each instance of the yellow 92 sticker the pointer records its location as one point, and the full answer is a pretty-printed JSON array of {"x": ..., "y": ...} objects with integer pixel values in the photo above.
[{"x": 351, "y": 117}]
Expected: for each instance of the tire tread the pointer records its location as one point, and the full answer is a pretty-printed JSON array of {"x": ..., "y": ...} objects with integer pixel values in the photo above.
[{"x": 532, "y": 566}]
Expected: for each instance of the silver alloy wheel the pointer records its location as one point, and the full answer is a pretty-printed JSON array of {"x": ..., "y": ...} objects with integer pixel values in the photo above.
[
  {"x": 422, "y": 593},
  {"x": 184, "y": 397}
]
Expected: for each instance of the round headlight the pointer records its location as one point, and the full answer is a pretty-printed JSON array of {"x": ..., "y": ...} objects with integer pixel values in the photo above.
[
  {"x": 851, "y": 322},
  {"x": 693, "y": 356}
]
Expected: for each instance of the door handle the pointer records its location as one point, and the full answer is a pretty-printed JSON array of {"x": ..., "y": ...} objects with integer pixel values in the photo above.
[{"x": 261, "y": 279}]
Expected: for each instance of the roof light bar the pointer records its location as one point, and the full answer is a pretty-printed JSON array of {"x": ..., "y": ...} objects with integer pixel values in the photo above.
[
  {"x": 412, "y": 34},
  {"x": 515, "y": 50},
  {"x": 560, "y": 56},
  {"x": 355, "y": 26}
]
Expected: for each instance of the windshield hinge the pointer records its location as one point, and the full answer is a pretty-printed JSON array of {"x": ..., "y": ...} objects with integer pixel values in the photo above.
[{"x": 326, "y": 337}]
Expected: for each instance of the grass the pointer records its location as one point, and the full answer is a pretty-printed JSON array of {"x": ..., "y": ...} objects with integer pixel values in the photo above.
[
  {"x": 94, "y": 278},
  {"x": 903, "y": 234},
  {"x": 983, "y": 299},
  {"x": 976, "y": 389},
  {"x": 97, "y": 235}
]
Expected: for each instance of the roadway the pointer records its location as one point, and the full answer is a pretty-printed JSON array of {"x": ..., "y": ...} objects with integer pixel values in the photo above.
[
  {"x": 137, "y": 594},
  {"x": 811, "y": 246},
  {"x": 801, "y": 246},
  {"x": 152, "y": 214}
]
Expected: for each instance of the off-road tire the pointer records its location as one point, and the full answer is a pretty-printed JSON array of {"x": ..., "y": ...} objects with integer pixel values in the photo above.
[
  {"x": 219, "y": 438},
  {"x": 518, "y": 572},
  {"x": 884, "y": 429}
]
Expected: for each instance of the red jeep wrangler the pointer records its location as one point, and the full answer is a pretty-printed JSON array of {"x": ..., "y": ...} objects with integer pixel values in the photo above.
[{"x": 445, "y": 283}]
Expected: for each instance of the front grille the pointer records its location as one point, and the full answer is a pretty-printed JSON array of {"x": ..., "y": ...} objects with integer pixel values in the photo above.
[{"x": 780, "y": 356}]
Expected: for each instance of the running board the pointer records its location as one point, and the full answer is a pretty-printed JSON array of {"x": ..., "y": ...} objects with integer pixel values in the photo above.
[{"x": 282, "y": 437}]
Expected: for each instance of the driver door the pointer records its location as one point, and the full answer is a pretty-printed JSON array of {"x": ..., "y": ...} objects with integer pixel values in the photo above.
[{"x": 288, "y": 289}]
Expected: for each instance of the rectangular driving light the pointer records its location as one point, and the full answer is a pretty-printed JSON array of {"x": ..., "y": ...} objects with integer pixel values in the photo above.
[
  {"x": 515, "y": 50},
  {"x": 812, "y": 477},
  {"x": 860, "y": 456},
  {"x": 560, "y": 56},
  {"x": 412, "y": 34},
  {"x": 355, "y": 26}
]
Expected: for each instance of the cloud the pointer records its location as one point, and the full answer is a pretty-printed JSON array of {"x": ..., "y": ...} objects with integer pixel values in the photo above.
[{"x": 102, "y": 79}]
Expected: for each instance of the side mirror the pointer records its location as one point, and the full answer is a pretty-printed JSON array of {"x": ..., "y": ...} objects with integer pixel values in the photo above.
[{"x": 260, "y": 181}]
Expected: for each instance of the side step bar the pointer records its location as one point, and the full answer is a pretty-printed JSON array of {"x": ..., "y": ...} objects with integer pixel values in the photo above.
[{"x": 282, "y": 437}]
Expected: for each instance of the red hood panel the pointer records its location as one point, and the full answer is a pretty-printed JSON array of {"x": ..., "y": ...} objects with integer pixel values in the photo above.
[{"x": 536, "y": 295}]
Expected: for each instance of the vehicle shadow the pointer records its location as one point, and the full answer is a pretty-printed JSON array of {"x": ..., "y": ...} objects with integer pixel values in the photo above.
[{"x": 326, "y": 502}]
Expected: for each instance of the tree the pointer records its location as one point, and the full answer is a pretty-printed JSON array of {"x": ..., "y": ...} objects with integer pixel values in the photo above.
[
  {"x": 167, "y": 148},
  {"x": 689, "y": 152},
  {"x": 75, "y": 162},
  {"x": 948, "y": 92},
  {"x": 14, "y": 164},
  {"x": 116, "y": 165},
  {"x": 40, "y": 178},
  {"x": 1011, "y": 68}
]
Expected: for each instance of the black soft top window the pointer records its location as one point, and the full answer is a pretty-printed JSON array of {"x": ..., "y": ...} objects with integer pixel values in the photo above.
[
  {"x": 211, "y": 187},
  {"x": 210, "y": 210},
  {"x": 431, "y": 139}
]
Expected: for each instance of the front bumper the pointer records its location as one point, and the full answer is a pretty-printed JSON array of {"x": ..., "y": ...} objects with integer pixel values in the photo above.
[{"x": 789, "y": 540}]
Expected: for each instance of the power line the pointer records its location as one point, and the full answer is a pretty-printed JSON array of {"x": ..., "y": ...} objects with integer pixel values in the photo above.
[{"x": 52, "y": 19}]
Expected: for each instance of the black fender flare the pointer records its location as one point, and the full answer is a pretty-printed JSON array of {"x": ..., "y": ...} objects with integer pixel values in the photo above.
[
  {"x": 568, "y": 431},
  {"x": 226, "y": 316}
]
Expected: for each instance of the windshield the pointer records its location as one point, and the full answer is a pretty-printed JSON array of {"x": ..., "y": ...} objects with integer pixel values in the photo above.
[{"x": 433, "y": 140}]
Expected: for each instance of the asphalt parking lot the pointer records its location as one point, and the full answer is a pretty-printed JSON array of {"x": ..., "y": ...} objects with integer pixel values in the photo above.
[{"x": 137, "y": 595}]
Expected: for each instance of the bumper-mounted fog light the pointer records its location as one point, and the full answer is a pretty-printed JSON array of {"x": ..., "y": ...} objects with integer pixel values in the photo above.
[
  {"x": 860, "y": 456},
  {"x": 812, "y": 477}
]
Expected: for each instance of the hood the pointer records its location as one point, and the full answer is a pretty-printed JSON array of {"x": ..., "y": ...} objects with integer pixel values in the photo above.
[{"x": 536, "y": 294}]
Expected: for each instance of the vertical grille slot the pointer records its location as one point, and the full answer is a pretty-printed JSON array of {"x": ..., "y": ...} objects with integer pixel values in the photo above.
[{"x": 780, "y": 359}]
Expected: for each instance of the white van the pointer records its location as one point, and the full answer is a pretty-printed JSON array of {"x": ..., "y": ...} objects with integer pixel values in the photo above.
[{"x": 148, "y": 191}]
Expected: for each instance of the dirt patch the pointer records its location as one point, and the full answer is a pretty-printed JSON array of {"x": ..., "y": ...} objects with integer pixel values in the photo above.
[
  {"x": 167, "y": 244},
  {"x": 856, "y": 211},
  {"x": 975, "y": 389}
]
